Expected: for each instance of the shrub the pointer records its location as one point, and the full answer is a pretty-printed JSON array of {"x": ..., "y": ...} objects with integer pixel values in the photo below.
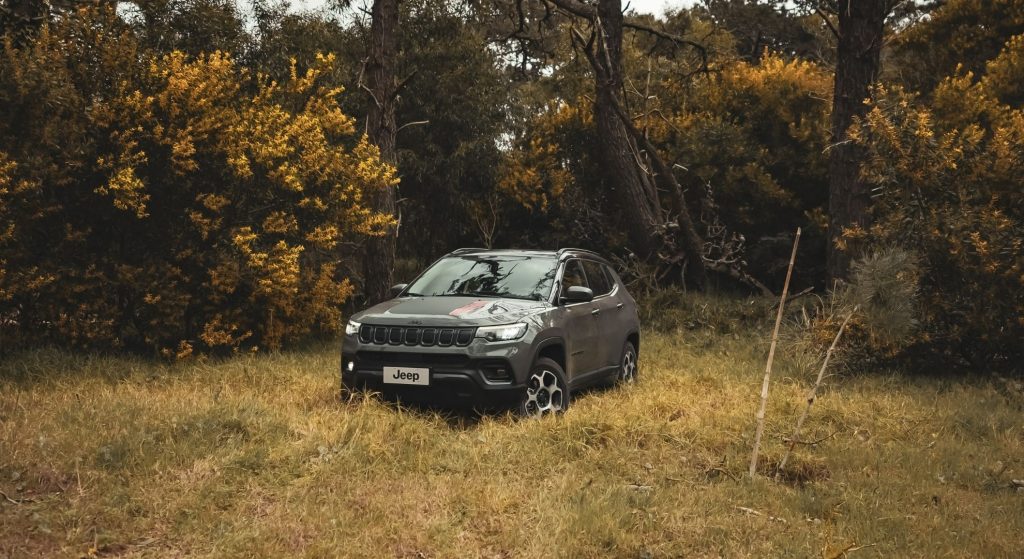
[
  {"x": 883, "y": 289},
  {"x": 173, "y": 203},
  {"x": 881, "y": 300},
  {"x": 947, "y": 184}
]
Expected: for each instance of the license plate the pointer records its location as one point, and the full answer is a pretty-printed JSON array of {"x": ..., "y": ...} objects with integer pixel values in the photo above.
[{"x": 407, "y": 375}]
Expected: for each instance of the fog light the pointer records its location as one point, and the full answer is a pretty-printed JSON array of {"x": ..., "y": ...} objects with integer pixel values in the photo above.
[
  {"x": 351, "y": 366},
  {"x": 497, "y": 373}
]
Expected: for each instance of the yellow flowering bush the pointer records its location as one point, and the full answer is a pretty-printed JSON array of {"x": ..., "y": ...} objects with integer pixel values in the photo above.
[
  {"x": 536, "y": 174},
  {"x": 756, "y": 133},
  {"x": 947, "y": 183},
  {"x": 190, "y": 206}
]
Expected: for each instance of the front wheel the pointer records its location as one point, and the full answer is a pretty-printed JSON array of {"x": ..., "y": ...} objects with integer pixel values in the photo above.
[{"x": 546, "y": 392}]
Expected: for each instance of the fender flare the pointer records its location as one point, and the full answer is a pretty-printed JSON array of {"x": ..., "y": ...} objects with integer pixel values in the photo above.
[{"x": 549, "y": 341}]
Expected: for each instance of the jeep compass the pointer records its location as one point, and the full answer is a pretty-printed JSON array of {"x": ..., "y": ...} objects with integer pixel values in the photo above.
[{"x": 497, "y": 328}]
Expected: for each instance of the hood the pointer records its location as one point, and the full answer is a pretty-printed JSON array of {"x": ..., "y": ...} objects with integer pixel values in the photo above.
[{"x": 449, "y": 311}]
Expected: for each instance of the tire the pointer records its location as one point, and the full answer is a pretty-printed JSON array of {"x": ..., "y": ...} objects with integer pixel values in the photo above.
[
  {"x": 628, "y": 365},
  {"x": 547, "y": 392}
]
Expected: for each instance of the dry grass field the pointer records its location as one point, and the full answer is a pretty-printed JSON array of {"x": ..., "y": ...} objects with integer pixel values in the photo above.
[{"x": 254, "y": 456}]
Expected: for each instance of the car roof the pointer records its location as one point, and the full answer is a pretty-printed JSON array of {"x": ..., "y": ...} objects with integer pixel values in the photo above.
[{"x": 560, "y": 253}]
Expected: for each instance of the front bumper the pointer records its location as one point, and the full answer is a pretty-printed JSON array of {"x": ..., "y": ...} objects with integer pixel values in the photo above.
[{"x": 459, "y": 376}]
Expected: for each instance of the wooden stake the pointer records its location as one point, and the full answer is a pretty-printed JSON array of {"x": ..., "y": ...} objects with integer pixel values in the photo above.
[
  {"x": 771, "y": 357},
  {"x": 813, "y": 395}
]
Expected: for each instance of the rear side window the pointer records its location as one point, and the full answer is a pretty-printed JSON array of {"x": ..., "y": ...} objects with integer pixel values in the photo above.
[
  {"x": 598, "y": 280},
  {"x": 610, "y": 274}
]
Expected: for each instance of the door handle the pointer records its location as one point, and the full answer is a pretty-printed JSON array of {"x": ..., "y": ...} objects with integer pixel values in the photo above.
[
  {"x": 595, "y": 312},
  {"x": 619, "y": 306}
]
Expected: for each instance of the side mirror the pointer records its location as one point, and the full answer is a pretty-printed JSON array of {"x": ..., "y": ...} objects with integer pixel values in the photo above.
[
  {"x": 397, "y": 289},
  {"x": 578, "y": 294}
]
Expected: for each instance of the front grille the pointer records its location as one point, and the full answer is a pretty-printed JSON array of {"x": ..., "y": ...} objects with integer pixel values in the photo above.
[{"x": 415, "y": 335}]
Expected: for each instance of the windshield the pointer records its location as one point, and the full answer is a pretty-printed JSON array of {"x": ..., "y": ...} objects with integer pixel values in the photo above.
[{"x": 517, "y": 277}]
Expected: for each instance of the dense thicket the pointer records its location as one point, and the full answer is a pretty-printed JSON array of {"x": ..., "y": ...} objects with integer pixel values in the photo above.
[
  {"x": 172, "y": 201},
  {"x": 180, "y": 174}
]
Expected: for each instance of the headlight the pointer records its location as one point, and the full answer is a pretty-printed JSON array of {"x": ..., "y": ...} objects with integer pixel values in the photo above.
[
  {"x": 501, "y": 333},
  {"x": 352, "y": 328}
]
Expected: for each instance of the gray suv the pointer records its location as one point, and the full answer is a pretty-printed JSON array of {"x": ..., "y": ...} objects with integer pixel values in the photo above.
[{"x": 497, "y": 328}]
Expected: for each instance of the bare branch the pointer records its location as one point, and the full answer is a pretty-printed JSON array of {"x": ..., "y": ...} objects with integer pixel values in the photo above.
[
  {"x": 794, "y": 297},
  {"x": 585, "y": 44},
  {"x": 370, "y": 92},
  {"x": 16, "y": 501},
  {"x": 520, "y": 29},
  {"x": 413, "y": 123},
  {"x": 810, "y": 443},
  {"x": 771, "y": 357},
  {"x": 401, "y": 85},
  {"x": 675, "y": 40},
  {"x": 737, "y": 273},
  {"x": 813, "y": 395},
  {"x": 362, "y": 85},
  {"x": 827, "y": 21},
  {"x": 576, "y": 8}
]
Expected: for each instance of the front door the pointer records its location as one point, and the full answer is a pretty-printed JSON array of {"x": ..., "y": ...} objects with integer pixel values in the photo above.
[
  {"x": 581, "y": 325},
  {"x": 606, "y": 310}
]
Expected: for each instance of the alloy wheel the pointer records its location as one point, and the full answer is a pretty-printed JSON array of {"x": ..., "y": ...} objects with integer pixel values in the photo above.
[
  {"x": 543, "y": 394},
  {"x": 627, "y": 372}
]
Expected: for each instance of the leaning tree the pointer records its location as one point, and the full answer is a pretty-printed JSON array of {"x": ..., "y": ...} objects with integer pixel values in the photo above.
[{"x": 658, "y": 223}]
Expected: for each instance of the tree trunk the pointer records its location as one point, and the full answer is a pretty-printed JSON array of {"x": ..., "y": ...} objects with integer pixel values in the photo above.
[
  {"x": 621, "y": 157},
  {"x": 861, "y": 27},
  {"x": 379, "y": 259},
  {"x": 619, "y": 154}
]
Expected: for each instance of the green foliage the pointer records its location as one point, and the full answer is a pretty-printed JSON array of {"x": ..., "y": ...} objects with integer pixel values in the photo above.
[
  {"x": 550, "y": 177},
  {"x": 752, "y": 134},
  {"x": 190, "y": 26},
  {"x": 457, "y": 92},
  {"x": 880, "y": 306},
  {"x": 959, "y": 33},
  {"x": 761, "y": 26},
  {"x": 884, "y": 290}
]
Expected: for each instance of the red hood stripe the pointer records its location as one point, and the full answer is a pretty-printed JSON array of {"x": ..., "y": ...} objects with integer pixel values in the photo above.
[{"x": 466, "y": 309}]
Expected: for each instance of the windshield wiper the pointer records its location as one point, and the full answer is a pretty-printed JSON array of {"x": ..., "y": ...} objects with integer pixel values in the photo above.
[{"x": 501, "y": 295}]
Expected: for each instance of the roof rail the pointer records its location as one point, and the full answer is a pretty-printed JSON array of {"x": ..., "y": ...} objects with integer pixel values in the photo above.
[
  {"x": 466, "y": 249},
  {"x": 567, "y": 249}
]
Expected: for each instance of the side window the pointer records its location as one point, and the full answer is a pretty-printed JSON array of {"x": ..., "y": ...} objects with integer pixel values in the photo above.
[
  {"x": 598, "y": 281},
  {"x": 610, "y": 274},
  {"x": 573, "y": 276}
]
